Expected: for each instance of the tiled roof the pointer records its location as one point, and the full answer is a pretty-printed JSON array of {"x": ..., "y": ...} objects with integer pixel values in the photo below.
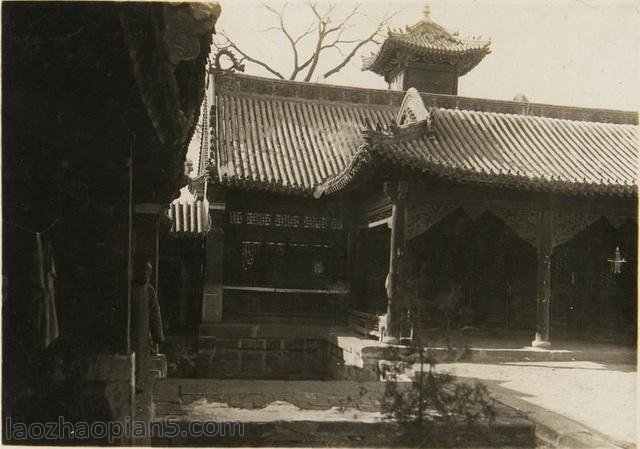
[
  {"x": 536, "y": 153},
  {"x": 429, "y": 42},
  {"x": 289, "y": 144},
  {"x": 294, "y": 137}
]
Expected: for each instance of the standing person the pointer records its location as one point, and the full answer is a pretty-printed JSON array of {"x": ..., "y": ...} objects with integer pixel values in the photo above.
[{"x": 148, "y": 331}]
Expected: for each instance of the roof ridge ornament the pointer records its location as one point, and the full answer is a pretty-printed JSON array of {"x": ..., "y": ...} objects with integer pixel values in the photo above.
[
  {"x": 426, "y": 11},
  {"x": 235, "y": 63},
  {"x": 412, "y": 110}
]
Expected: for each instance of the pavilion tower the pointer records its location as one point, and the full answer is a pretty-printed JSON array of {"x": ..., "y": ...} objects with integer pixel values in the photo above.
[{"x": 426, "y": 56}]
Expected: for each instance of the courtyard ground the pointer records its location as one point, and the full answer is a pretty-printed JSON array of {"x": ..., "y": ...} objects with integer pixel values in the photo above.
[
  {"x": 564, "y": 398},
  {"x": 578, "y": 395},
  {"x": 332, "y": 413}
]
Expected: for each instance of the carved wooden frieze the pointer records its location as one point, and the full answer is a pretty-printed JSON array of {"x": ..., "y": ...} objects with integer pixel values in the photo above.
[
  {"x": 420, "y": 218},
  {"x": 567, "y": 225},
  {"x": 474, "y": 212},
  {"x": 523, "y": 222},
  {"x": 616, "y": 220}
]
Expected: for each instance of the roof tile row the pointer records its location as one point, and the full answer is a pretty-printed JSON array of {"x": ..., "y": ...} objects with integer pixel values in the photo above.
[{"x": 291, "y": 144}]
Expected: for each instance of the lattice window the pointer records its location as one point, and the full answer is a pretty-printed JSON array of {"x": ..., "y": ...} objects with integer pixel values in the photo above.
[
  {"x": 287, "y": 221},
  {"x": 235, "y": 217},
  {"x": 249, "y": 253},
  {"x": 337, "y": 223},
  {"x": 258, "y": 219},
  {"x": 315, "y": 222}
]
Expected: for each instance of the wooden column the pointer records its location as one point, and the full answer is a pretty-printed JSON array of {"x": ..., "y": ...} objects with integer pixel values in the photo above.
[
  {"x": 212, "y": 293},
  {"x": 543, "y": 287},
  {"x": 397, "y": 192}
]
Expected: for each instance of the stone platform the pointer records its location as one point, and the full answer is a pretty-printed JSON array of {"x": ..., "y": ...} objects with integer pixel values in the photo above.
[{"x": 278, "y": 351}]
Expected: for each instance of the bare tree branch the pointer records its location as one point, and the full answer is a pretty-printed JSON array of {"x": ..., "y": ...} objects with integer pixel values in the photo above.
[
  {"x": 306, "y": 33},
  {"x": 329, "y": 35},
  {"x": 345, "y": 21},
  {"x": 294, "y": 48},
  {"x": 347, "y": 58},
  {"x": 371, "y": 38},
  {"x": 323, "y": 20},
  {"x": 231, "y": 44}
]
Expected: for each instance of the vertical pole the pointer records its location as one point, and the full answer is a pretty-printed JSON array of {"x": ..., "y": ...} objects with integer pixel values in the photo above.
[
  {"x": 128, "y": 345},
  {"x": 396, "y": 192},
  {"x": 543, "y": 287},
  {"x": 157, "y": 258},
  {"x": 129, "y": 251}
]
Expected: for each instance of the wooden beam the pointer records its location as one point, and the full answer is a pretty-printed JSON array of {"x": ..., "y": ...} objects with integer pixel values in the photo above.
[{"x": 375, "y": 224}]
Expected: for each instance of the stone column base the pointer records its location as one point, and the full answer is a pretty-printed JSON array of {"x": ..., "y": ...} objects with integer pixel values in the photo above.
[{"x": 540, "y": 343}]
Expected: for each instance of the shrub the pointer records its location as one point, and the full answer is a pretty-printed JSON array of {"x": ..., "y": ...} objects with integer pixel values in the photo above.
[{"x": 432, "y": 407}]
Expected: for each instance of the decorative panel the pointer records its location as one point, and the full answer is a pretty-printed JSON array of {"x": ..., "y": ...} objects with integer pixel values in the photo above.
[
  {"x": 523, "y": 222},
  {"x": 287, "y": 221},
  {"x": 567, "y": 225},
  {"x": 420, "y": 218},
  {"x": 315, "y": 222},
  {"x": 258, "y": 219},
  {"x": 235, "y": 217}
]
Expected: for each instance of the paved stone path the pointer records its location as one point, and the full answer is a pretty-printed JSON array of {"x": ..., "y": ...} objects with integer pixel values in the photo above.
[{"x": 601, "y": 397}]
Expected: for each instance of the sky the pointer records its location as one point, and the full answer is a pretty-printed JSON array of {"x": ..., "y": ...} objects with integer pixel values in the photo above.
[{"x": 568, "y": 52}]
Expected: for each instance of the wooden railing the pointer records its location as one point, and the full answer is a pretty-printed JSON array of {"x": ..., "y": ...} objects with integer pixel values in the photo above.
[{"x": 363, "y": 323}]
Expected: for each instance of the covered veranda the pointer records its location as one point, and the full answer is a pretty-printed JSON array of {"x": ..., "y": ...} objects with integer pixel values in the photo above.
[{"x": 528, "y": 223}]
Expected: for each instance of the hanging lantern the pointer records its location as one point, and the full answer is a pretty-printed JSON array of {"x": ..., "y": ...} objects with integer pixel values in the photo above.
[{"x": 617, "y": 261}]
